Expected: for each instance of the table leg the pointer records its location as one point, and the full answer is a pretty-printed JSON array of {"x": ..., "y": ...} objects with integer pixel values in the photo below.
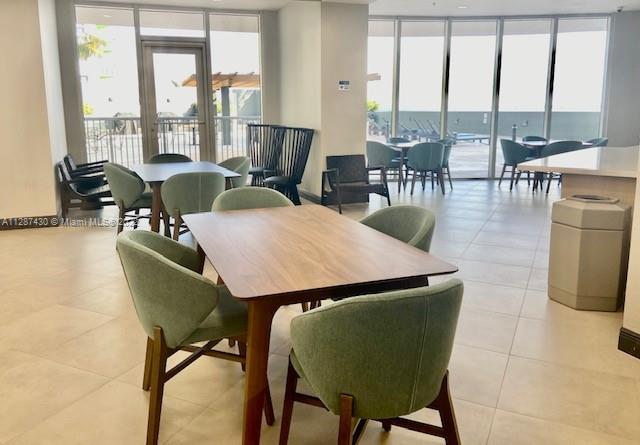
[
  {"x": 259, "y": 331},
  {"x": 156, "y": 206}
]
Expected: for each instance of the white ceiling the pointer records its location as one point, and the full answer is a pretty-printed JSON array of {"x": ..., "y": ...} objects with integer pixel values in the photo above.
[
  {"x": 497, "y": 7},
  {"x": 428, "y": 7}
]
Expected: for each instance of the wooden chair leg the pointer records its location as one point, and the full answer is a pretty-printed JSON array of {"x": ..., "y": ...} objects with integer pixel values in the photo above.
[
  {"x": 346, "y": 420},
  {"x": 513, "y": 175},
  {"x": 528, "y": 179},
  {"x": 413, "y": 181},
  {"x": 441, "y": 179},
  {"x": 242, "y": 350},
  {"x": 137, "y": 213},
  {"x": 549, "y": 182},
  {"x": 287, "y": 407},
  {"x": 386, "y": 425},
  {"x": 305, "y": 307},
  {"x": 148, "y": 360},
  {"x": 432, "y": 174},
  {"x": 339, "y": 198},
  {"x": 447, "y": 414},
  {"x": 121, "y": 213},
  {"x": 176, "y": 226},
  {"x": 504, "y": 169},
  {"x": 158, "y": 368},
  {"x": 449, "y": 176},
  {"x": 269, "y": 415},
  {"x": 166, "y": 222}
]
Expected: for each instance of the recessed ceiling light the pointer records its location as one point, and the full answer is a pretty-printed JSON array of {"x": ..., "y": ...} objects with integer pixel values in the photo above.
[
  {"x": 106, "y": 16},
  {"x": 462, "y": 7}
]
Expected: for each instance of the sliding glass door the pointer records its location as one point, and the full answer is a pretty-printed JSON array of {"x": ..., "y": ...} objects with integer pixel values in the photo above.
[
  {"x": 579, "y": 78},
  {"x": 523, "y": 81},
  {"x": 421, "y": 60},
  {"x": 471, "y": 72},
  {"x": 380, "y": 79}
]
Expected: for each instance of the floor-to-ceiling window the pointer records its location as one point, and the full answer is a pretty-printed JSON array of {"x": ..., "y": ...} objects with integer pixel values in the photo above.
[
  {"x": 485, "y": 101},
  {"x": 236, "y": 82},
  {"x": 579, "y": 78},
  {"x": 523, "y": 82},
  {"x": 380, "y": 78},
  {"x": 109, "y": 82},
  {"x": 471, "y": 72},
  {"x": 421, "y": 60}
]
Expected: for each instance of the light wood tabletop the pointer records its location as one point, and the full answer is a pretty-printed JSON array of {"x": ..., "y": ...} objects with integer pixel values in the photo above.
[
  {"x": 280, "y": 256},
  {"x": 156, "y": 174}
]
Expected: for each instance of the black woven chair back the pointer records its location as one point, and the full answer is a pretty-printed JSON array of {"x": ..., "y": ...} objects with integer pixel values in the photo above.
[
  {"x": 295, "y": 153},
  {"x": 351, "y": 168},
  {"x": 264, "y": 147}
]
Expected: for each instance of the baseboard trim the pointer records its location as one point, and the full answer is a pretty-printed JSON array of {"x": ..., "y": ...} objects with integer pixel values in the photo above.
[
  {"x": 629, "y": 342},
  {"x": 29, "y": 222},
  {"x": 309, "y": 196}
]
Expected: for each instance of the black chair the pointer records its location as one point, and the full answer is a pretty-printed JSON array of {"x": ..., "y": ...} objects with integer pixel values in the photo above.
[
  {"x": 164, "y": 158},
  {"x": 288, "y": 173},
  {"x": 264, "y": 147},
  {"x": 79, "y": 192},
  {"x": 349, "y": 174},
  {"x": 92, "y": 172}
]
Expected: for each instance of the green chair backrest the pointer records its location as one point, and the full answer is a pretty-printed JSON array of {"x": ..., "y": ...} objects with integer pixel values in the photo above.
[
  {"x": 412, "y": 224},
  {"x": 125, "y": 185},
  {"x": 191, "y": 192},
  {"x": 513, "y": 152},
  {"x": 164, "y": 158},
  {"x": 240, "y": 165},
  {"x": 380, "y": 155},
  {"x": 426, "y": 156},
  {"x": 448, "y": 144},
  {"x": 250, "y": 198},
  {"x": 555, "y": 148},
  {"x": 534, "y": 139},
  {"x": 389, "y": 351},
  {"x": 165, "y": 293},
  {"x": 599, "y": 142}
]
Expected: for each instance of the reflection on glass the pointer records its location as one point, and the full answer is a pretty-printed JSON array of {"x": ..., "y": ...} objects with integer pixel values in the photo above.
[
  {"x": 473, "y": 46},
  {"x": 380, "y": 79},
  {"x": 171, "y": 23},
  {"x": 579, "y": 78},
  {"x": 421, "y": 58},
  {"x": 235, "y": 55},
  {"x": 109, "y": 82},
  {"x": 523, "y": 84}
]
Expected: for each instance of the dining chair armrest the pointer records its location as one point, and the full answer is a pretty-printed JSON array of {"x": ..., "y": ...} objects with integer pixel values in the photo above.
[
  {"x": 94, "y": 163},
  {"x": 332, "y": 176},
  {"x": 173, "y": 250},
  {"x": 269, "y": 172}
]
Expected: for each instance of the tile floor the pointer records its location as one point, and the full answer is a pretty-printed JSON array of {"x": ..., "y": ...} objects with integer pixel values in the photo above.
[{"x": 524, "y": 370}]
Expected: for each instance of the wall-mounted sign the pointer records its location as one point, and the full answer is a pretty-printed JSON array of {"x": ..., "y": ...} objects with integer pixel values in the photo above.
[{"x": 344, "y": 85}]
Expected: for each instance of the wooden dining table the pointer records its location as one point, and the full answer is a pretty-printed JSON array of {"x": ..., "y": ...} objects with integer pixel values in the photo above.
[
  {"x": 156, "y": 174},
  {"x": 274, "y": 257}
]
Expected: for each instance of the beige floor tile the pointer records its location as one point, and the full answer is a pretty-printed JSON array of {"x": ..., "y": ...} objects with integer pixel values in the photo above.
[
  {"x": 492, "y": 297},
  {"x": 514, "y": 241},
  {"x": 581, "y": 398},
  {"x": 486, "y": 330},
  {"x": 500, "y": 255},
  {"x": 49, "y": 328},
  {"x": 485, "y": 272},
  {"x": 448, "y": 248},
  {"x": 109, "y": 300},
  {"x": 32, "y": 389},
  {"x": 476, "y": 374},
  {"x": 114, "y": 414},
  {"x": 590, "y": 344},
  {"x": 537, "y": 304},
  {"x": 514, "y": 429},
  {"x": 109, "y": 350},
  {"x": 538, "y": 279}
]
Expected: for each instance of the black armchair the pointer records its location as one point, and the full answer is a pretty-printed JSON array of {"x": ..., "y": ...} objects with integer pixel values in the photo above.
[
  {"x": 80, "y": 191},
  {"x": 349, "y": 174}
]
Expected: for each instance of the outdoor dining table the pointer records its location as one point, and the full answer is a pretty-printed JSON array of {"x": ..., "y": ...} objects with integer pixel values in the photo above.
[
  {"x": 403, "y": 148},
  {"x": 156, "y": 174},
  {"x": 274, "y": 257}
]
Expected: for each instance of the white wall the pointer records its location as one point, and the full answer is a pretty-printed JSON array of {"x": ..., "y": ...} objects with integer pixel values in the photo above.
[
  {"x": 300, "y": 76},
  {"x": 632, "y": 302},
  {"x": 27, "y": 184},
  {"x": 270, "y": 66},
  {"x": 622, "y": 125},
  {"x": 320, "y": 44}
]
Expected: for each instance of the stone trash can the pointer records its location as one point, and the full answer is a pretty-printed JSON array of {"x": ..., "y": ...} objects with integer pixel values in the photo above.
[{"x": 589, "y": 252}]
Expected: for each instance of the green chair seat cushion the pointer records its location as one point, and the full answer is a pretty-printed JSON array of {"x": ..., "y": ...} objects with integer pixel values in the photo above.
[
  {"x": 228, "y": 319},
  {"x": 144, "y": 202}
]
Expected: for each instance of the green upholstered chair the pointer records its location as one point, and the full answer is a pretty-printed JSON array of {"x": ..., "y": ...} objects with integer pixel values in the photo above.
[
  {"x": 534, "y": 139},
  {"x": 250, "y": 198},
  {"x": 446, "y": 171},
  {"x": 598, "y": 142},
  {"x": 240, "y": 165},
  {"x": 425, "y": 159},
  {"x": 381, "y": 155},
  {"x": 128, "y": 191},
  {"x": 411, "y": 224},
  {"x": 165, "y": 158},
  {"x": 513, "y": 154},
  {"x": 556, "y": 148},
  {"x": 177, "y": 307},
  {"x": 187, "y": 193},
  {"x": 377, "y": 357}
]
